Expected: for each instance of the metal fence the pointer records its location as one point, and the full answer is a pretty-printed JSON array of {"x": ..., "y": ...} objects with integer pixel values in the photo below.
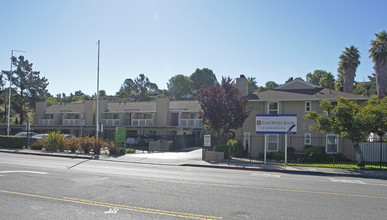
[{"x": 329, "y": 151}]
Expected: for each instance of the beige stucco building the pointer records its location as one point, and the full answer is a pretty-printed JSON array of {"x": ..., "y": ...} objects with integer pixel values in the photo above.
[
  {"x": 160, "y": 117},
  {"x": 298, "y": 98}
]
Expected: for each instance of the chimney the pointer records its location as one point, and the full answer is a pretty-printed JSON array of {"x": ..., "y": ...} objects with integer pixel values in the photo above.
[{"x": 243, "y": 85}]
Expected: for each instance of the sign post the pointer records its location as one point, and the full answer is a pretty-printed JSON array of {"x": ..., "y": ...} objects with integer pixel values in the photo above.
[
  {"x": 207, "y": 145},
  {"x": 276, "y": 124}
]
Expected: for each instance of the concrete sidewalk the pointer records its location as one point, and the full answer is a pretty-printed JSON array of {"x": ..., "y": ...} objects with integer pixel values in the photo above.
[{"x": 193, "y": 157}]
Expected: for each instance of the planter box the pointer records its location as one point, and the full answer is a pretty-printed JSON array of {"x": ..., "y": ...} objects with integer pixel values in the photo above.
[{"x": 212, "y": 156}]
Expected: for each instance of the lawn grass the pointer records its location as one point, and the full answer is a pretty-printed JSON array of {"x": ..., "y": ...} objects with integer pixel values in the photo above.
[{"x": 373, "y": 166}]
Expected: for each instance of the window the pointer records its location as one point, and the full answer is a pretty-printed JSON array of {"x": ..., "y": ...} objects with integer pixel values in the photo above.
[
  {"x": 116, "y": 116},
  {"x": 193, "y": 116},
  {"x": 147, "y": 116},
  {"x": 272, "y": 142},
  {"x": 308, "y": 139},
  {"x": 332, "y": 144},
  {"x": 307, "y": 106},
  {"x": 273, "y": 108}
]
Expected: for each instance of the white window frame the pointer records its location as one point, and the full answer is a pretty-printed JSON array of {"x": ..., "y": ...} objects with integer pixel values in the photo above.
[
  {"x": 267, "y": 142},
  {"x": 307, "y": 137},
  {"x": 268, "y": 108},
  {"x": 308, "y": 106},
  {"x": 337, "y": 143}
]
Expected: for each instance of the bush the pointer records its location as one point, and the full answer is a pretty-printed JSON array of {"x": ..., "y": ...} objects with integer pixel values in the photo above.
[
  {"x": 237, "y": 149},
  {"x": 73, "y": 144},
  {"x": 12, "y": 141},
  {"x": 54, "y": 141},
  {"x": 112, "y": 147},
  {"x": 86, "y": 144},
  {"x": 38, "y": 145},
  {"x": 96, "y": 144},
  {"x": 122, "y": 151},
  {"x": 130, "y": 151},
  {"x": 318, "y": 156},
  {"x": 222, "y": 148},
  {"x": 278, "y": 156}
]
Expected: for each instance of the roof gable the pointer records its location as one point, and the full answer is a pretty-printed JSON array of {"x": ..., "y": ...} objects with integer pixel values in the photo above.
[{"x": 296, "y": 84}]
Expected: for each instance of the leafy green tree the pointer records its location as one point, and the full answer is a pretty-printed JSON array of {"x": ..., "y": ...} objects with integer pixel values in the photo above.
[
  {"x": 314, "y": 78},
  {"x": 102, "y": 93},
  {"x": 51, "y": 101},
  {"x": 180, "y": 85},
  {"x": 378, "y": 53},
  {"x": 366, "y": 88},
  {"x": 30, "y": 87},
  {"x": 349, "y": 61},
  {"x": 350, "y": 120},
  {"x": 203, "y": 77},
  {"x": 252, "y": 83},
  {"x": 271, "y": 85},
  {"x": 141, "y": 87},
  {"x": 223, "y": 108}
]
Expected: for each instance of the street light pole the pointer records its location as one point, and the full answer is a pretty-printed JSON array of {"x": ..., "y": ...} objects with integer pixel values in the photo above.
[
  {"x": 97, "y": 116},
  {"x": 9, "y": 92}
]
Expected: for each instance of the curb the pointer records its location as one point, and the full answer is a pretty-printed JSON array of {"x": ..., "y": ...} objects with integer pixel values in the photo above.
[
  {"x": 239, "y": 168},
  {"x": 47, "y": 154}
]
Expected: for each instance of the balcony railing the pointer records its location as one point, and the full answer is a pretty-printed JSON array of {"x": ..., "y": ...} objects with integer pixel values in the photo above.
[
  {"x": 46, "y": 122},
  {"x": 71, "y": 122},
  {"x": 191, "y": 123},
  {"x": 111, "y": 122},
  {"x": 142, "y": 122}
]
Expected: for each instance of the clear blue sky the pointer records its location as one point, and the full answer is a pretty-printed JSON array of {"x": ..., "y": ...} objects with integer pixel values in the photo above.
[{"x": 271, "y": 40}]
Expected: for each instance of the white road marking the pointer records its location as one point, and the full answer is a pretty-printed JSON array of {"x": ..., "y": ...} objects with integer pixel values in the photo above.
[
  {"x": 346, "y": 181},
  {"x": 22, "y": 171},
  {"x": 266, "y": 175},
  {"x": 112, "y": 211}
]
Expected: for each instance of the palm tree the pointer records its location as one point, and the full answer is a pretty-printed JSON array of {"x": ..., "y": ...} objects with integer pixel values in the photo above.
[
  {"x": 349, "y": 61},
  {"x": 378, "y": 53}
]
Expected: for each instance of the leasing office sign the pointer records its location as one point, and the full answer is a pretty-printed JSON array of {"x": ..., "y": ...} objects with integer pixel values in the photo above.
[{"x": 275, "y": 124}]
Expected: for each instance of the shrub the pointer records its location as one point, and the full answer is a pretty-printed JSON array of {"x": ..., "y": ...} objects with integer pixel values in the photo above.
[
  {"x": 112, "y": 147},
  {"x": 278, "y": 156},
  {"x": 54, "y": 141},
  {"x": 237, "y": 148},
  {"x": 12, "y": 141},
  {"x": 122, "y": 151},
  {"x": 73, "y": 144},
  {"x": 130, "y": 151},
  {"x": 86, "y": 144},
  {"x": 318, "y": 153},
  {"x": 38, "y": 145},
  {"x": 222, "y": 148},
  {"x": 96, "y": 145}
]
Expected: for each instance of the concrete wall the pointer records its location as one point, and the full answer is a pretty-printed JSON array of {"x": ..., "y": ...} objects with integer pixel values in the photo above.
[{"x": 162, "y": 112}]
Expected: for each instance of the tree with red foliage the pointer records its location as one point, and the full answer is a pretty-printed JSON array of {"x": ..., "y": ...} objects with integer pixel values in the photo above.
[{"x": 223, "y": 108}]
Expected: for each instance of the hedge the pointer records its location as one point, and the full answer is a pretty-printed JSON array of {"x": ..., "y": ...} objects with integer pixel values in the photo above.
[{"x": 12, "y": 141}]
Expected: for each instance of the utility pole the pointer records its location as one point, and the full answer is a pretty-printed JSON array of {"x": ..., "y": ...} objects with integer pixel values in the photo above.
[
  {"x": 97, "y": 116},
  {"x": 9, "y": 92}
]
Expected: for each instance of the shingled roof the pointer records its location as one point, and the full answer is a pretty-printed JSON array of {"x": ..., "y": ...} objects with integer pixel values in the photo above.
[{"x": 298, "y": 90}]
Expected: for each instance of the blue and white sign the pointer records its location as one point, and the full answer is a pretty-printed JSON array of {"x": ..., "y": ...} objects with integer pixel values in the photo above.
[{"x": 276, "y": 124}]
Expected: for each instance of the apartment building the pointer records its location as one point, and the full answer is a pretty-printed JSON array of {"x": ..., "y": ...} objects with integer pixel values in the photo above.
[{"x": 160, "y": 117}]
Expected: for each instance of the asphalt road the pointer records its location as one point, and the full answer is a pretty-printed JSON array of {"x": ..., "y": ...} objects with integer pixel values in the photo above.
[{"x": 36, "y": 187}]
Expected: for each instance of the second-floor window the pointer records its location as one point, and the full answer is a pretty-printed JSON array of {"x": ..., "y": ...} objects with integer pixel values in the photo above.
[{"x": 273, "y": 108}]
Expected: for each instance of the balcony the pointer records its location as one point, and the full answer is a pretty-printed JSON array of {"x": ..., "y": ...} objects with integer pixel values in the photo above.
[
  {"x": 111, "y": 122},
  {"x": 46, "y": 122},
  {"x": 142, "y": 122},
  {"x": 191, "y": 123},
  {"x": 72, "y": 122}
]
